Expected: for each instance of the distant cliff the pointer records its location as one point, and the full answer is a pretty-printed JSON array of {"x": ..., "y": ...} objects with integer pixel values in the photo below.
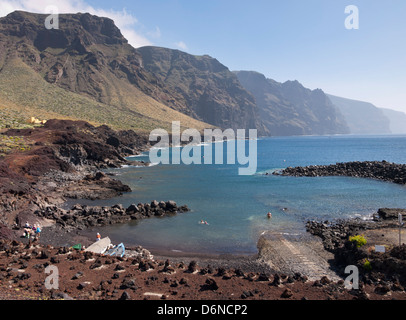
[
  {"x": 397, "y": 120},
  {"x": 291, "y": 109},
  {"x": 362, "y": 117}
]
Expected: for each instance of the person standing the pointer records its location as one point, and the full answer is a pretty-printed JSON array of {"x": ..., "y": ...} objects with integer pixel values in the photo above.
[{"x": 37, "y": 232}]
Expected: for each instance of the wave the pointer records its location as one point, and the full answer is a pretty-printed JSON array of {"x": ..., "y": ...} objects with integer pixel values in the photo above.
[
  {"x": 152, "y": 164},
  {"x": 137, "y": 156},
  {"x": 268, "y": 171}
]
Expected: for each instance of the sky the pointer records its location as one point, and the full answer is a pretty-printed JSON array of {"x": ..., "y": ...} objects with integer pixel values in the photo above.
[{"x": 304, "y": 40}]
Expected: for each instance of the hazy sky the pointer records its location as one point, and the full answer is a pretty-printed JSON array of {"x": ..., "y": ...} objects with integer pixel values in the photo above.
[{"x": 304, "y": 40}]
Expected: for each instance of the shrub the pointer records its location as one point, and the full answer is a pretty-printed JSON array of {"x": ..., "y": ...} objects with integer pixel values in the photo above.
[
  {"x": 359, "y": 240},
  {"x": 367, "y": 265}
]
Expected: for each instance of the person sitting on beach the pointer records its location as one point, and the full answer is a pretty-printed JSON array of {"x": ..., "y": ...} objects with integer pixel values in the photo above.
[
  {"x": 98, "y": 237},
  {"x": 27, "y": 230},
  {"x": 26, "y": 233}
]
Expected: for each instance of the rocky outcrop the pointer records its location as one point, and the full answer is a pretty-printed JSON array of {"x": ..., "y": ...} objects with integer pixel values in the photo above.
[
  {"x": 95, "y": 187},
  {"x": 390, "y": 214},
  {"x": 62, "y": 161},
  {"x": 383, "y": 170},
  {"x": 67, "y": 144},
  {"x": 377, "y": 268}
]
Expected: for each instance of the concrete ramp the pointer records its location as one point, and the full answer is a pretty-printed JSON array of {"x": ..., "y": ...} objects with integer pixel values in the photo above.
[
  {"x": 287, "y": 253},
  {"x": 100, "y": 246}
]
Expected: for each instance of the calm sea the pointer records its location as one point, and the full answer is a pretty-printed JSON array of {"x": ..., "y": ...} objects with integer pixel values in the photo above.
[{"x": 235, "y": 207}]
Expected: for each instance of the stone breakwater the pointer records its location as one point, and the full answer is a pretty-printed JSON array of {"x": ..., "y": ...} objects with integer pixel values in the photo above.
[
  {"x": 383, "y": 170},
  {"x": 81, "y": 217}
]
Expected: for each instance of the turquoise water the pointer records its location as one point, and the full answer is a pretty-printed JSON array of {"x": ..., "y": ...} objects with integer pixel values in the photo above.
[{"x": 235, "y": 206}]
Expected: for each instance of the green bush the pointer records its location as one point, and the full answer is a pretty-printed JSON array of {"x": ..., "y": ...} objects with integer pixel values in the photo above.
[
  {"x": 359, "y": 240},
  {"x": 367, "y": 265}
]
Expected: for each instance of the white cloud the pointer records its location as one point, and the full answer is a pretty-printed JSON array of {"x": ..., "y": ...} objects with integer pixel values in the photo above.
[
  {"x": 156, "y": 34},
  {"x": 181, "y": 45},
  {"x": 125, "y": 22}
]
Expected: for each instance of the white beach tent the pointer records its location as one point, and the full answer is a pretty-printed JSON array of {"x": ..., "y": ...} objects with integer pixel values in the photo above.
[{"x": 100, "y": 246}]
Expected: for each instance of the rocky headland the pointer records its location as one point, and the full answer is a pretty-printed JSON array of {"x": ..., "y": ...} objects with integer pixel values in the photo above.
[{"x": 61, "y": 160}]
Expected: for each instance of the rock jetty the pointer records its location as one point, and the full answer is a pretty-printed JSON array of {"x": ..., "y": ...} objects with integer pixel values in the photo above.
[
  {"x": 81, "y": 216},
  {"x": 382, "y": 170}
]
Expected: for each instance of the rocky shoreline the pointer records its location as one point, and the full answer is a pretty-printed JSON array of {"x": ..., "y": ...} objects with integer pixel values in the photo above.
[
  {"x": 385, "y": 171},
  {"x": 383, "y": 268},
  {"x": 141, "y": 276},
  {"x": 64, "y": 160}
]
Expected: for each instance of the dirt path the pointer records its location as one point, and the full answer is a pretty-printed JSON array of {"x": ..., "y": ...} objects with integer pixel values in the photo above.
[{"x": 292, "y": 253}]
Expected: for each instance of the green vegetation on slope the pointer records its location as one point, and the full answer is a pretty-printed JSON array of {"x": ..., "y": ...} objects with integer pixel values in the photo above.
[{"x": 24, "y": 89}]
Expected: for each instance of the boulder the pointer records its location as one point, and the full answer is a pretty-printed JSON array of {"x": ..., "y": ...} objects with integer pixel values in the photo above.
[
  {"x": 171, "y": 205},
  {"x": 192, "y": 266},
  {"x": 132, "y": 209},
  {"x": 287, "y": 294},
  {"x": 387, "y": 214},
  {"x": 125, "y": 296},
  {"x": 210, "y": 284}
]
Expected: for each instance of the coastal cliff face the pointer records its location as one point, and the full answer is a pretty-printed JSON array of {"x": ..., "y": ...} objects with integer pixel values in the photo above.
[
  {"x": 291, "y": 109},
  {"x": 86, "y": 70},
  {"x": 105, "y": 80},
  {"x": 205, "y": 88},
  {"x": 362, "y": 117},
  {"x": 397, "y": 120}
]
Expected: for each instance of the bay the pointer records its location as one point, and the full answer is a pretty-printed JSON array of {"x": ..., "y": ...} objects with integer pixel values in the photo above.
[{"x": 235, "y": 207}]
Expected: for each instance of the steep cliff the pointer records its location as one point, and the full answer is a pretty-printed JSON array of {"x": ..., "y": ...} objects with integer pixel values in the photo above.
[{"x": 291, "y": 109}]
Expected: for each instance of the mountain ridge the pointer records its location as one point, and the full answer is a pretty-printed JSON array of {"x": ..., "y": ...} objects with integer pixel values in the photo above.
[
  {"x": 87, "y": 70},
  {"x": 208, "y": 90},
  {"x": 86, "y": 59}
]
